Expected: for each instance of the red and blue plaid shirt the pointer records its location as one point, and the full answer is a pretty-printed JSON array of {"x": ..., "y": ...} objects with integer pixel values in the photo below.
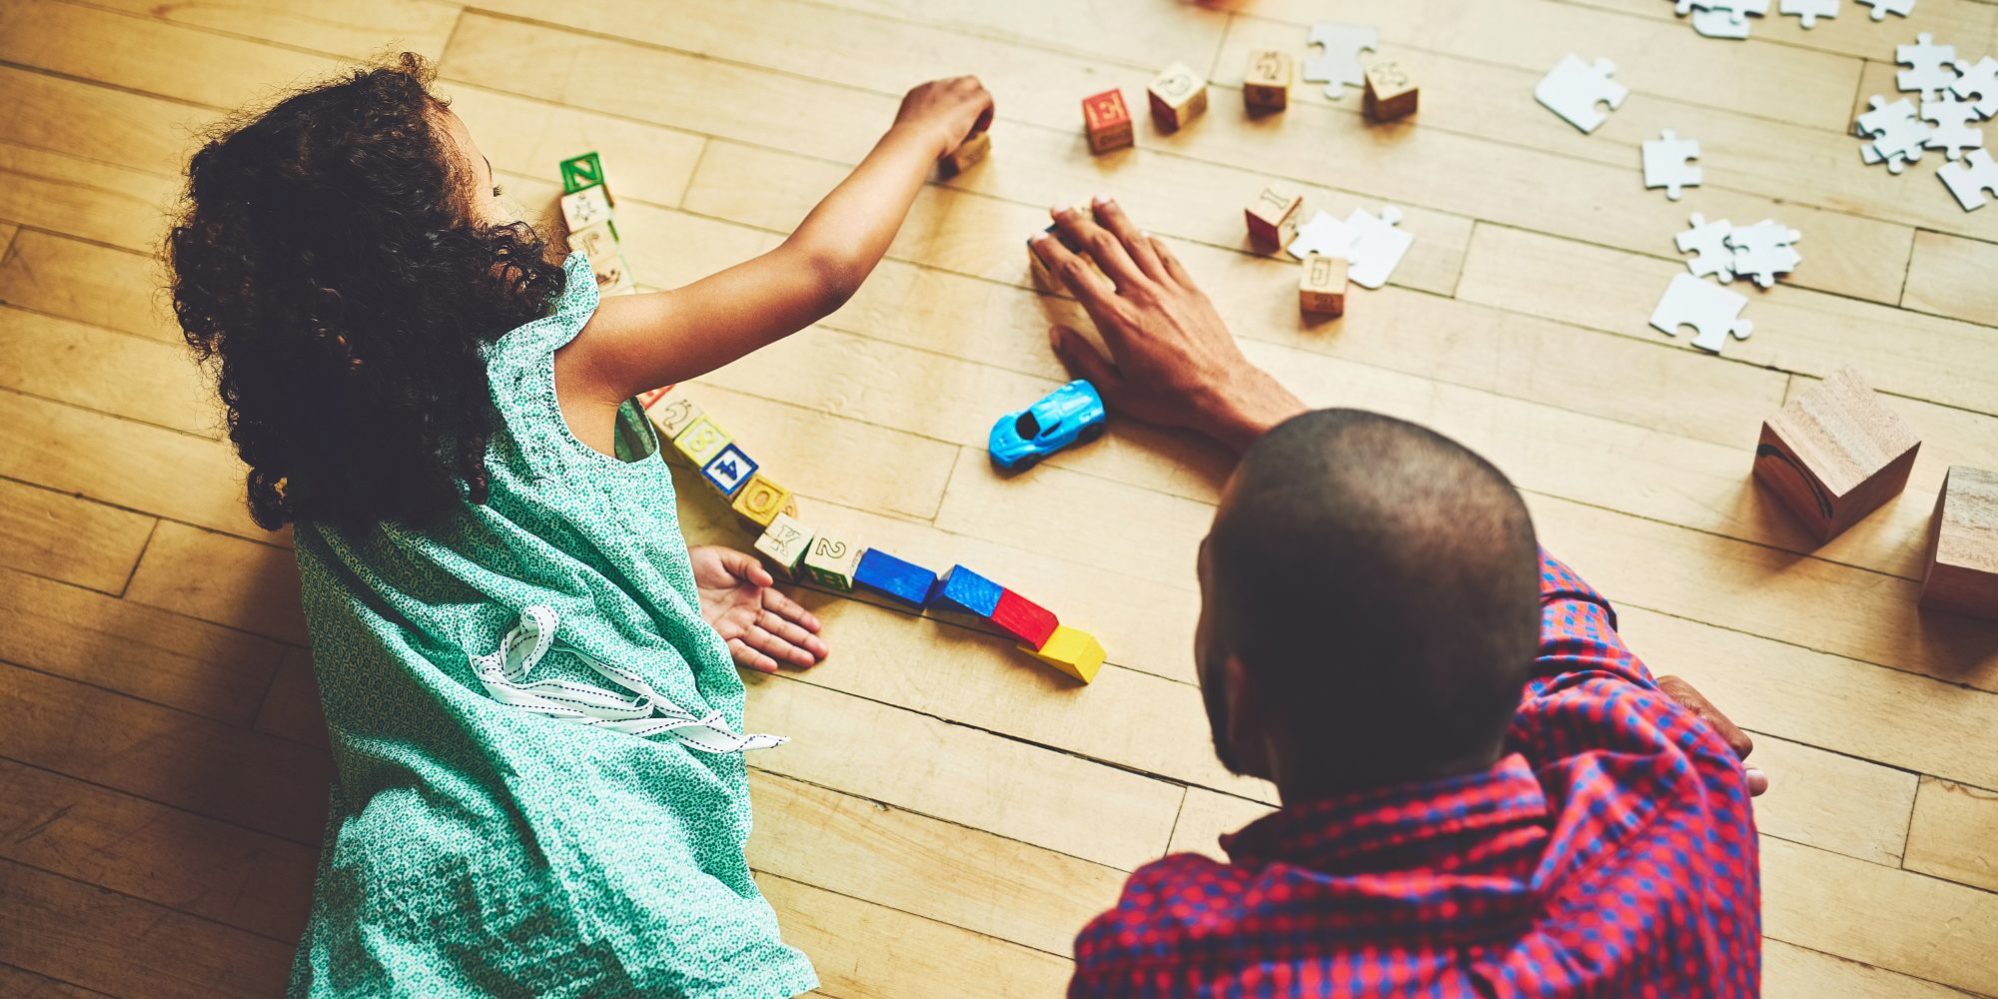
[{"x": 1610, "y": 852}]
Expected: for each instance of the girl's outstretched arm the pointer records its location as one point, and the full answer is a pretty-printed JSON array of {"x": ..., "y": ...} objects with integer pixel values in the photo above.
[{"x": 637, "y": 342}]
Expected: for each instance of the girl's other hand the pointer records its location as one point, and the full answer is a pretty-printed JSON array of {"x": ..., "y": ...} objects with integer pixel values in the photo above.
[
  {"x": 763, "y": 628},
  {"x": 953, "y": 110}
]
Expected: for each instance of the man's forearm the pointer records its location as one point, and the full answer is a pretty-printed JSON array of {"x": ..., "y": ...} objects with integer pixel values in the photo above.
[{"x": 1247, "y": 407}]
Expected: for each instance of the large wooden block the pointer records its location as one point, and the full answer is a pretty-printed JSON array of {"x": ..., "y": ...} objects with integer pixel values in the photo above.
[
  {"x": 1963, "y": 545},
  {"x": 1321, "y": 285},
  {"x": 1178, "y": 95},
  {"x": 1023, "y": 620},
  {"x": 1834, "y": 454},
  {"x": 830, "y": 563},
  {"x": 1272, "y": 217},
  {"x": 585, "y": 208},
  {"x": 783, "y": 544},
  {"x": 966, "y": 598},
  {"x": 598, "y": 240},
  {"x": 701, "y": 441},
  {"x": 906, "y": 584},
  {"x": 968, "y": 152},
  {"x": 1266, "y": 81},
  {"x": 1107, "y": 121},
  {"x": 1072, "y": 651},
  {"x": 583, "y": 171},
  {"x": 1391, "y": 92},
  {"x": 729, "y": 470},
  {"x": 761, "y": 501}
]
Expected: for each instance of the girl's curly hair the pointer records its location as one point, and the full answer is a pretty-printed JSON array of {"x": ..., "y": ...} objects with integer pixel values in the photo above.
[{"x": 327, "y": 256}]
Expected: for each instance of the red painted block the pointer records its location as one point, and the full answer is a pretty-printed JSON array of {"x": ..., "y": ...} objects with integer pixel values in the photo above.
[{"x": 1024, "y": 619}]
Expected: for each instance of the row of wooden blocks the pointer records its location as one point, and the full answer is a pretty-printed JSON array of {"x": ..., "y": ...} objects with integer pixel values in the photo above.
[
  {"x": 1178, "y": 95},
  {"x": 588, "y": 210},
  {"x": 799, "y": 553},
  {"x": 1273, "y": 219},
  {"x": 1835, "y": 453}
]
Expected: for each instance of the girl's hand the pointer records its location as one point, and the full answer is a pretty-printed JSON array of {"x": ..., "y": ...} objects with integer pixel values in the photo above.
[
  {"x": 762, "y": 627},
  {"x": 951, "y": 110}
]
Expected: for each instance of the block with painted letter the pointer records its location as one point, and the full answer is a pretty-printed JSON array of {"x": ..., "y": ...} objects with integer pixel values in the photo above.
[
  {"x": 1023, "y": 620},
  {"x": 1962, "y": 574},
  {"x": 761, "y": 501},
  {"x": 1834, "y": 454},
  {"x": 1072, "y": 651},
  {"x": 701, "y": 441},
  {"x": 1272, "y": 217},
  {"x": 729, "y": 470},
  {"x": 830, "y": 562},
  {"x": 1106, "y": 121},
  {"x": 783, "y": 544},
  {"x": 965, "y": 598},
  {"x": 650, "y": 398},
  {"x": 583, "y": 171},
  {"x": 597, "y": 240},
  {"x": 1391, "y": 92},
  {"x": 673, "y": 414},
  {"x": 970, "y": 151},
  {"x": 613, "y": 274},
  {"x": 1266, "y": 81},
  {"x": 587, "y": 207},
  {"x": 906, "y": 584},
  {"x": 1177, "y": 95},
  {"x": 1321, "y": 285}
]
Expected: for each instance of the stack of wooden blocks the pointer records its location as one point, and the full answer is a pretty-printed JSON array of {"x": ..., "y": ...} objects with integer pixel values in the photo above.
[
  {"x": 797, "y": 552},
  {"x": 587, "y": 209}
]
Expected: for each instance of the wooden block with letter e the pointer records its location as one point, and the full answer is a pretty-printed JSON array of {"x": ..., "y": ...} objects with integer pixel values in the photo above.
[
  {"x": 761, "y": 501},
  {"x": 830, "y": 563},
  {"x": 1178, "y": 95},
  {"x": 1272, "y": 217},
  {"x": 1266, "y": 81},
  {"x": 1107, "y": 121},
  {"x": 585, "y": 208},
  {"x": 1391, "y": 92},
  {"x": 783, "y": 544},
  {"x": 1321, "y": 285},
  {"x": 1963, "y": 545},
  {"x": 906, "y": 584},
  {"x": 1023, "y": 620},
  {"x": 729, "y": 470},
  {"x": 969, "y": 151},
  {"x": 700, "y": 441},
  {"x": 1072, "y": 651},
  {"x": 1834, "y": 454}
]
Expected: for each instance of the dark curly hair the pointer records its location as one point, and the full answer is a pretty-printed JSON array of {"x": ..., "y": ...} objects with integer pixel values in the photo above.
[{"x": 327, "y": 256}]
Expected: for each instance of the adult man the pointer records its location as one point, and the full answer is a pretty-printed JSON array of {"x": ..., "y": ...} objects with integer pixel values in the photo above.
[{"x": 1484, "y": 792}]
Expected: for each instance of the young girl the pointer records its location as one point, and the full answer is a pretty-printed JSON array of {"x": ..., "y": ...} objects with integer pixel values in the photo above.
[{"x": 526, "y": 673}]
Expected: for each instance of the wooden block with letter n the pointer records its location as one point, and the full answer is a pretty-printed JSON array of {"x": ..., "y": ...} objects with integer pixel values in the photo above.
[
  {"x": 830, "y": 563},
  {"x": 761, "y": 501},
  {"x": 1266, "y": 81},
  {"x": 1178, "y": 95},
  {"x": 1391, "y": 92},
  {"x": 970, "y": 151},
  {"x": 729, "y": 470},
  {"x": 700, "y": 441},
  {"x": 1321, "y": 285},
  {"x": 905, "y": 584},
  {"x": 1963, "y": 545},
  {"x": 1107, "y": 121},
  {"x": 1072, "y": 651},
  {"x": 1834, "y": 454},
  {"x": 583, "y": 171},
  {"x": 1272, "y": 217},
  {"x": 784, "y": 544}
]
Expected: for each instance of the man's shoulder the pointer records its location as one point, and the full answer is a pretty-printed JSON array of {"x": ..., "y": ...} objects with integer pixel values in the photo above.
[{"x": 1162, "y": 900}]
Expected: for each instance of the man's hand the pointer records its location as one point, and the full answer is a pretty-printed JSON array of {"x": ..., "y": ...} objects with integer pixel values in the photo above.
[
  {"x": 761, "y": 626},
  {"x": 1696, "y": 702},
  {"x": 1172, "y": 360}
]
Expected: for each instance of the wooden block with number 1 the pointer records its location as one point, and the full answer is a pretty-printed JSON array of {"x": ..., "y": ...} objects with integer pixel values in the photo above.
[
  {"x": 1963, "y": 545},
  {"x": 1178, "y": 95},
  {"x": 1266, "y": 81},
  {"x": 1106, "y": 121},
  {"x": 1391, "y": 92},
  {"x": 1321, "y": 285},
  {"x": 1834, "y": 454}
]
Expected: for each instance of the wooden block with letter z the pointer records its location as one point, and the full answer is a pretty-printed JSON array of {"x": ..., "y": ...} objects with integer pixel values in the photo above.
[
  {"x": 1272, "y": 217},
  {"x": 1391, "y": 92},
  {"x": 784, "y": 544},
  {"x": 1321, "y": 285},
  {"x": 906, "y": 584},
  {"x": 1834, "y": 454},
  {"x": 1072, "y": 651},
  {"x": 969, "y": 151},
  {"x": 729, "y": 470},
  {"x": 1178, "y": 95},
  {"x": 1266, "y": 81},
  {"x": 830, "y": 563},
  {"x": 1963, "y": 545},
  {"x": 761, "y": 501},
  {"x": 1107, "y": 121}
]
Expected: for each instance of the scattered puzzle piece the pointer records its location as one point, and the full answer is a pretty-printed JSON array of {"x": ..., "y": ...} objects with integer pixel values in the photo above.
[
  {"x": 1720, "y": 23},
  {"x": 1714, "y": 313},
  {"x": 1764, "y": 250},
  {"x": 1978, "y": 84},
  {"x": 1338, "y": 63},
  {"x": 1177, "y": 95},
  {"x": 1666, "y": 166},
  {"x": 1962, "y": 574},
  {"x": 1931, "y": 67},
  {"x": 1709, "y": 241},
  {"x": 1834, "y": 454},
  {"x": 1970, "y": 177},
  {"x": 1106, "y": 121},
  {"x": 1898, "y": 135},
  {"x": 1071, "y": 651},
  {"x": 1391, "y": 92},
  {"x": 1322, "y": 235},
  {"x": 1952, "y": 133},
  {"x": 1321, "y": 285},
  {"x": 1573, "y": 88},
  {"x": 784, "y": 544},
  {"x": 1882, "y": 8},
  {"x": 1378, "y": 245},
  {"x": 729, "y": 470},
  {"x": 1266, "y": 81},
  {"x": 1808, "y": 11},
  {"x": 906, "y": 584}
]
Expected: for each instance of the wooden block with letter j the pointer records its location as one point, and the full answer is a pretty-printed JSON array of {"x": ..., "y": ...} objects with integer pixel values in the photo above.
[
  {"x": 1321, "y": 285},
  {"x": 1834, "y": 454},
  {"x": 1963, "y": 545}
]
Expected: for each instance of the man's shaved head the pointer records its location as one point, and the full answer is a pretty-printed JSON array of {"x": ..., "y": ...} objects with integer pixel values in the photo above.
[{"x": 1377, "y": 585}]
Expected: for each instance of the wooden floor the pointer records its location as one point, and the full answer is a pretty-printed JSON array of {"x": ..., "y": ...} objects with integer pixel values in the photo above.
[{"x": 949, "y": 814}]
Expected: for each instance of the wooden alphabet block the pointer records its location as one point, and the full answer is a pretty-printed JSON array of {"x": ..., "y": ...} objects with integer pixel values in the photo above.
[
  {"x": 701, "y": 441},
  {"x": 1178, "y": 95},
  {"x": 1834, "y": 454},
  {"x": 598, "y": 240},
  {"x": 968, "y": 152},
  {"x": 1272, "y": 217},
  {"x": 905, "y": 583},
  {"x": 1107, "y": 121},
  {"x": 761, "y": 501},
  {"x": 1266, "y": 82},
  {"x": 965, "y": 598},
  {"x": 783, "y": 544},
  {"x": 1074, "y": 652},
  {"x": 729, "y": 470},
  {"x": 1321, "y": 285},
  {"x": 1023, "y": 620},
  {"x": 613, "y": 274},
  {"x": 583, "y": 171},
  {"x": 1963, "y": 545},
  {"x": 830, "y": 563},
  {"x": 1391, "y": 92},
  {"x": 651, "y": 397},
  {"x": 673, "y": 415},
  {"x": 585, "y": 208}
]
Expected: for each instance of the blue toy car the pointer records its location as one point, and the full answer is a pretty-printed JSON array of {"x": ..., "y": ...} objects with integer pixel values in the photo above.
[{"x": 1070, "y": 414}]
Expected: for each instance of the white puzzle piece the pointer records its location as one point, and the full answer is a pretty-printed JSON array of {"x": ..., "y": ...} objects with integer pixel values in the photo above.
[
  {"x": 1978, "y": 85},
  {"x": 1378, "y": 245},
  {"x": 1898, "y": 136},
  {"x": 1720, "y": 24},
  {"x": 1666, "y": 163},
  {"x": 1808, "y": 11},
  {"x": 1338, "y": 66},
  {"x": 1882, "y": 8},
  {"x": 1764, "y": 250},
  {"x": 1573, "y": 88},
  {"x": 1709, "y": 241},
  {"x": 1713, "y": 312},
  {"x": 1952, "y": 133},
  {"x": 1931, "y": 67},
  {"x": 1968, "y": 178},
  {"x": 1323, "y": 235}
]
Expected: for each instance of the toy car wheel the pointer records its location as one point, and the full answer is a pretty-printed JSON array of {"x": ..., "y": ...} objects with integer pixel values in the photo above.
[
  {"x": 1027, "y": 462},
  {"x": 1089, "y": 433}
]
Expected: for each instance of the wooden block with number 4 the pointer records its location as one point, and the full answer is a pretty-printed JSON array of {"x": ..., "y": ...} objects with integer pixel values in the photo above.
[
  {"x": 761, "y": 501},
  {"x": 1834, "y": 454},
  {"x": 1072, "y": 651},
  {"x": 1272, "y": 217},
  {"x": 784, "y": 544},
  {"x": 1177, "y": 95},
  {"x": 1321, "y": 285},
  {"x": 830, "y": 563},
  {"x": 1266, "y": 81},
  {"x": 1391, "y": 92},
  {"x": 1963, "y": 545},
  {"x": 1106, "y": 121}
]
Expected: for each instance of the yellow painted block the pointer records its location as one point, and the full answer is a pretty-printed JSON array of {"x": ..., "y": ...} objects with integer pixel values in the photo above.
[
  {"x": 701, "y": 441},
  {"x": 1072, "y": 651},
  {"x": 761, "y": 501}
]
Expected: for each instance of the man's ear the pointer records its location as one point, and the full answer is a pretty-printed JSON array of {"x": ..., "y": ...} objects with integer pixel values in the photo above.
[{"x": 1248, "y": 730}]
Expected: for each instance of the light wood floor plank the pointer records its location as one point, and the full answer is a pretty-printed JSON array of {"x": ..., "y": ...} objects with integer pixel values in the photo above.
[
  {"x": 69, "y": 539},
  {"x": 1951, "y": 276},
  {"x": 1793, "y": 972},
  {"x": 106, "y": 204},
  {"x": 90, "y": 120},
  {"x": 643, "y": 161},
  {"x": 8, "y": 231},
  {"x": 356, "y": 29},
  {"x": 1955, "y": 833},
  {"x": 224, "y": 579},
  {"x": 113, "y": 289},
  {"x": 116, "y": 373},
  {"x": 290, "y": 709}
]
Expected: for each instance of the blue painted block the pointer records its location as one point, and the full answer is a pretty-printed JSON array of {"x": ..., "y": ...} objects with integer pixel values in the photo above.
[
  {"x": 903, "y": 582},
  {"x": 729, "y": 470},
  {"x": 964, "y": 597}
]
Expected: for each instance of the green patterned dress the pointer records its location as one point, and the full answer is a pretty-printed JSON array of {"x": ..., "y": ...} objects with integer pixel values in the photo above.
[{"x": 540, "y": 787}]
